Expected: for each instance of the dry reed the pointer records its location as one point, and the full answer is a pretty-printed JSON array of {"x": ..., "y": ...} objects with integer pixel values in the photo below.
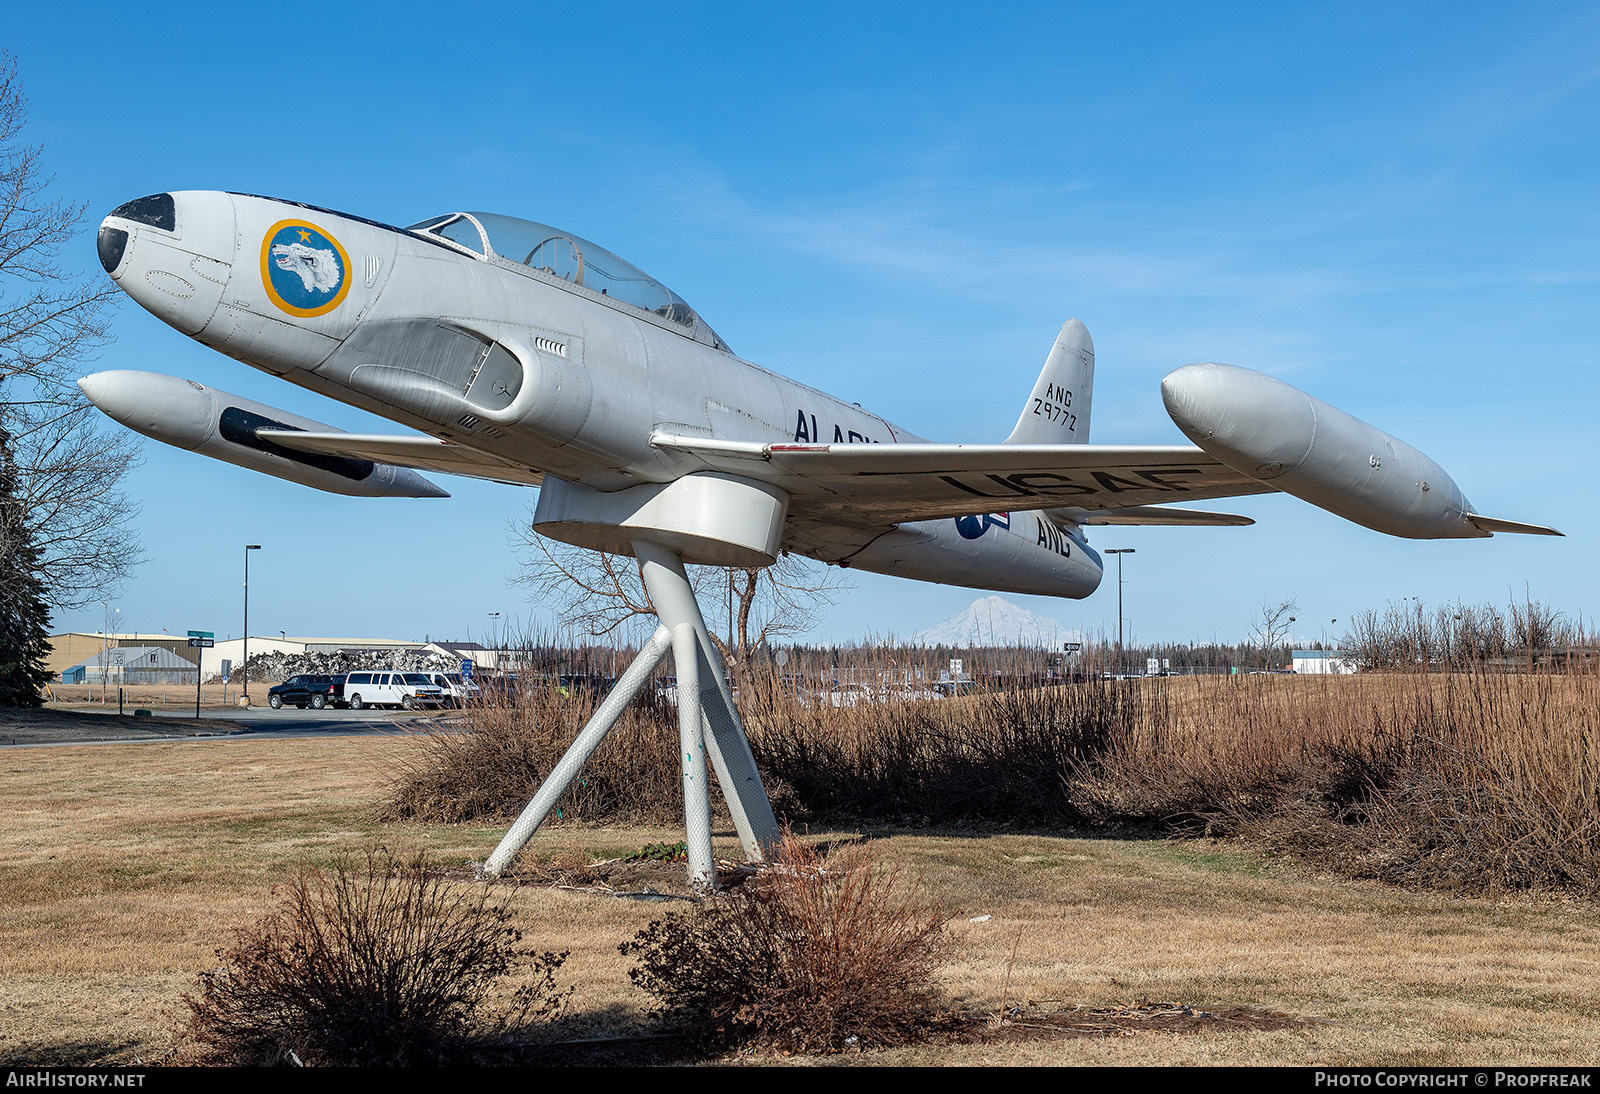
[
  {"x": 493, "y": 768},
  {"x": 1477, "y": 770}
]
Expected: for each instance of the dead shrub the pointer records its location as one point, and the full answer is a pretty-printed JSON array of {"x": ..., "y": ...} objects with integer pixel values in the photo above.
[
  {"x": 994, "y": 759},
  {"x": 809, "y": 957},
  {"x": 491, "y": 766},
  {"x": 376, "y": 963}
]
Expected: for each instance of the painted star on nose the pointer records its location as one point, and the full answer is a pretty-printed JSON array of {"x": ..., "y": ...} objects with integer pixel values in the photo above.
[{"x": 305, "y": 236}]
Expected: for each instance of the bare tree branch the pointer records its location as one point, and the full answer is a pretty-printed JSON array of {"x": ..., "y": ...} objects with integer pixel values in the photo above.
[
  {"x": 69, "y": 469},
  {"x": 594, "y": 594},
  {"x": 1272, "y": 626}
]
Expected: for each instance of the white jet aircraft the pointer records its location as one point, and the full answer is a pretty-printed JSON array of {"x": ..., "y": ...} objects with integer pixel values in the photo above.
[{"x": 528, "y": 355}]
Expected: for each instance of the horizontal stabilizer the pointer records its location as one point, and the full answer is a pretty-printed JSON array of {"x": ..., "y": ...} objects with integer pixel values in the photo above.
[
  {"x": 419, "y": 452},
  {"x": 1154, "y": 515},
  {"x": 1494, "y": 524}
]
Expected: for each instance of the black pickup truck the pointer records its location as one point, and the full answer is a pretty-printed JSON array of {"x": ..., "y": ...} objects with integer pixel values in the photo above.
[{"x": 315, "y": 692}]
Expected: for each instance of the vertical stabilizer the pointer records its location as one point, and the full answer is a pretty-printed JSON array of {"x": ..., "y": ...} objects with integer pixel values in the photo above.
[{"x": 1057, "y": 412}]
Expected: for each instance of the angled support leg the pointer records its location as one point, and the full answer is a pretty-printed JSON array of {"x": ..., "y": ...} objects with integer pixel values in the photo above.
[
  {"x": 571, "y": 763},
  {"x": 730, "y": 754}
]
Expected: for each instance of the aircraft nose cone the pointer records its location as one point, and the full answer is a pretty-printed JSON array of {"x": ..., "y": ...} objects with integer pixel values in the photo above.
[{"x": 173, "y": 253}]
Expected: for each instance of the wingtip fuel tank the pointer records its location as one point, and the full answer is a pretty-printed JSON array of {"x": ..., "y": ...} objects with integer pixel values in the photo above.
[
  {"x": 214, "y": 423},
  {"x": 1275, "y": 433}
]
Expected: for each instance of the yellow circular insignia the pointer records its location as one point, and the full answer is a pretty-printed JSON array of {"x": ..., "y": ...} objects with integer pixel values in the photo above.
[{"x": 305, "y": 270}]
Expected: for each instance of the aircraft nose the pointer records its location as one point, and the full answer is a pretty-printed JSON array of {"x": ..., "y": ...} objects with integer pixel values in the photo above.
[
  {"x": 173, "y": 253},
  {"x": 155, "y": 211}
]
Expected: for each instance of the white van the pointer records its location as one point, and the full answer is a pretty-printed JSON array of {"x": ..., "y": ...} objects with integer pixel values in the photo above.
[
  {"x": 396, "y": 689},
  {"x": 458, "y": 692}
]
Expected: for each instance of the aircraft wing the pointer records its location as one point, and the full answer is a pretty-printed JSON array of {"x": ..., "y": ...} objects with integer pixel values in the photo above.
[
  {"x": 418, "y": 452},
  {"x": 875, "y": 484}
]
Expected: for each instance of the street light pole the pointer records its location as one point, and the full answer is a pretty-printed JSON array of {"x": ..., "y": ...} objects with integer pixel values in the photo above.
[
  {"x": 244, "y": 666},
  {"x": 1119, "y": 552},
  {"x": 105, "y": 649}
]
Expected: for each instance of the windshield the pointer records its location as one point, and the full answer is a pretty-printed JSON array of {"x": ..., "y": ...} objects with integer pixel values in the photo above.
[{"x": 571, "y": 258}]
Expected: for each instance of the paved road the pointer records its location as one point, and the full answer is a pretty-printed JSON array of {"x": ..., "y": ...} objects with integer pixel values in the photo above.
[
  {"x": 42, "y": 728},
  {"x": 291, "y": 721}
]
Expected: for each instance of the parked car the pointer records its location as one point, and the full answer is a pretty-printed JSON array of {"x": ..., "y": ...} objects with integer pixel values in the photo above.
[
  {"x": 394, "y": 689},
  {"x": 458, "y": 691},
  {"x": 569, "y": 683},
  {"x": 303, "y": 691}
]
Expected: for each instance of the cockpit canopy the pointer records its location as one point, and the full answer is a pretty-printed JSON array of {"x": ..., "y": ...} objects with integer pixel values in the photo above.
[{"x": 570, "y": 258}]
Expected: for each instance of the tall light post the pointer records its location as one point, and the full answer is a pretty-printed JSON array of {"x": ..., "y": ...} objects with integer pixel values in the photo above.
[
  {"x": 105, "y": 649},
  {"x": 244, "y": 666},
  {"x": 1119, "y": 552}
]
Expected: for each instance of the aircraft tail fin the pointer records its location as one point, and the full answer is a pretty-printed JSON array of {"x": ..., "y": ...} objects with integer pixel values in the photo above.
[{"x": 1057, "y": 411}]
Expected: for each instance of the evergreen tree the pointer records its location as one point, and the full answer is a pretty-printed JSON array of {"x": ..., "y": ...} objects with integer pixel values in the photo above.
[{"x": 24, "y": 616}]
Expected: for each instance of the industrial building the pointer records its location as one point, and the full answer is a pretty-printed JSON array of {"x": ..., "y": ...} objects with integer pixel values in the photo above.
[
  {"x": 1322, "y": 662},
  {"x": 129, "y": 666}
]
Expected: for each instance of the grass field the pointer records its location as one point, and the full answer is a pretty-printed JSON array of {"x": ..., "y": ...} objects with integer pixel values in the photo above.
[{"x": 122, "y": 868}]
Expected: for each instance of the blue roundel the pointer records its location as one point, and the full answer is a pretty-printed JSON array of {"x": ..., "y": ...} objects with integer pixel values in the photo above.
[
  {"x": 306, "y": 268},
  {"x": 974, "y": 526}
]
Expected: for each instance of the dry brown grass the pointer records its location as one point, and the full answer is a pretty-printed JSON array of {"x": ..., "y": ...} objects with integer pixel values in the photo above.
[
  {"x": 122, "y": 869},
  {"x": 998, "y": 759},
  {"x": 169, "y": 699},
  {"x": 1467, "y": 779},
  {"x": 492, "y": 769},
  {"x": 1461, "y": 779}
]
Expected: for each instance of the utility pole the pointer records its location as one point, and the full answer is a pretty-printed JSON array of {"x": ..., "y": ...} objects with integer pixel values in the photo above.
[
  {"x": 244, "y": 665},
  {"x": 1122, "y": 668}
]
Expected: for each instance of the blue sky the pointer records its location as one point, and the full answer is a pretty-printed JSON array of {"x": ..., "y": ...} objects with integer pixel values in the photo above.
[{"x": 1391, "y": 205}]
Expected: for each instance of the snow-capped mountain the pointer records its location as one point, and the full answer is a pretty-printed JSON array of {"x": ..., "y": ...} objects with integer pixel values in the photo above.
[{"x": 995, "y": 621}]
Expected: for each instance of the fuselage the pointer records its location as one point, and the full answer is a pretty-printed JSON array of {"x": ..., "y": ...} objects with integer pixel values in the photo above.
[{"x": 561, "y": 359}]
